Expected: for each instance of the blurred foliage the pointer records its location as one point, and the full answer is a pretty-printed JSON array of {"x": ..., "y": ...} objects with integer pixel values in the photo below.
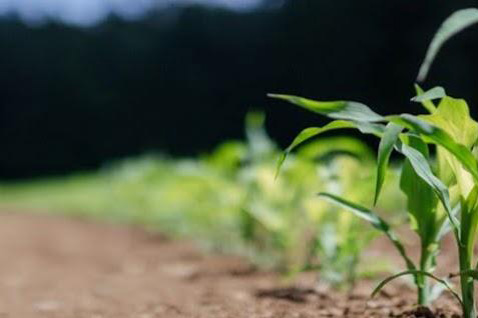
[{"x": 231, "y": 200}]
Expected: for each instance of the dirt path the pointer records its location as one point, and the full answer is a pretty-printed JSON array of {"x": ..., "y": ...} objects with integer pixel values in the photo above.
[{"x": 60, "y": 268}]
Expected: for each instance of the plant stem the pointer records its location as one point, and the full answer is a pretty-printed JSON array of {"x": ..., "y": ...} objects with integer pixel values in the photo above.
[
  {"x": 422, "y": 280},
  {"x": 423, "y": 290},
  {"x": 467, "y": 284}
]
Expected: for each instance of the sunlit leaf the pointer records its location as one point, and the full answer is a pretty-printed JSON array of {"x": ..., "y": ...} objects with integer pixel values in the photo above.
[
  {"x": 346, "y": 110},
  {"x": 375, "y": 129},
  {"x": 425, "y": 98},
  {"x": 454, "y": 24},
  {"x": 453, "y": 116},
  {"x": 436, "y": 135}
]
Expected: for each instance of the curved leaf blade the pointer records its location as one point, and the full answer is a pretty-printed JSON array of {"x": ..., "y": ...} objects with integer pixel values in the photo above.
[
  {"x": 469, "y": 219},
  {"x": 346, "y": 110},
  {"x": 422, "y": 201},
  {"x": 427, "y": 104},
  {"x": 390, "y": 137},
  {"x": 416, "y": 272},
  {"x": 423, "y": 170},
  {"x": 374, "y": 219},
  {"x": 453, "y": 116},
  {"x": 436, "y": 135},
  {"x": 454, "y": 24},
  {"x": 321, "y": 147},
  {"x": 311, "y": 132},
  {"x": 432, "y": 94}
]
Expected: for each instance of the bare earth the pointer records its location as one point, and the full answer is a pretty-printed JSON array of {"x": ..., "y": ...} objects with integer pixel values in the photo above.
[{"x": 63, "y": 268}]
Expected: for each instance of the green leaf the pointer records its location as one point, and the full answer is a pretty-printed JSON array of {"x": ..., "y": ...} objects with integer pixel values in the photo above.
[
  {"x": 346, "y": 110},
  {"x": 436, "y": 135},
  {"x": 454, "y": 24},
  {"x": 453, "y": 116},
  {"x": 311, "y": 132},
  {"x": 370, "y": 128},
  {"x": 374, "y": 219},
  {"x": 390, "y": 137},
  {"x": 422, "y": 168},
  {"x": 425, "y": 98},
  {"x": 308, "y": 133},
  {"x": 324, "y": 146},
  {"x": 415, "y": 272},
  {"x": 472, "y": 200},
  {"x": 422, "y": 201},
  {"x": 469, "y": 219},
  {"x": 434, "y": 93}
]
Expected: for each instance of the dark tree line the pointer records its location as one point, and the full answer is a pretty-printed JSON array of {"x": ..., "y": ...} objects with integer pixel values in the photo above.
[{"x": 181, "y": 81}]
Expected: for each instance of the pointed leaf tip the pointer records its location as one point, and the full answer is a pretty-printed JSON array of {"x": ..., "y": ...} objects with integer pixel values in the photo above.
[
  {"x": 432, "y": 94},
  {"x": 454, "y": 24},
  {"x": 309, "y": 133},
  {"x": 338, "y": 109}
]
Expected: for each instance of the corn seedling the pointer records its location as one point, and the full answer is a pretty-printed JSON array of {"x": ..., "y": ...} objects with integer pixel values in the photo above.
[
  {"x": 428, "y": 229},
  {"x": 455, "y": 177},
  {"x": 435, "y": 194}
]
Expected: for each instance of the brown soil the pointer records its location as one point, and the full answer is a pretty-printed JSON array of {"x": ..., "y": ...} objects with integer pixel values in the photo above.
[{"x": 56, "y": 267}]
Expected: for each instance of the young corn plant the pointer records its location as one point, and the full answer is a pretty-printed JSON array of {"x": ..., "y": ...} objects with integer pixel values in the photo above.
[
  {"x": 435, "y": 193},
  {"x": 454, "y": 179},
  {"x": 427, "y": 219}
]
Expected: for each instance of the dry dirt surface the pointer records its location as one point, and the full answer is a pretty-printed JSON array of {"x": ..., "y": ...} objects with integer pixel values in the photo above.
[{"x": 63, "y": 268}]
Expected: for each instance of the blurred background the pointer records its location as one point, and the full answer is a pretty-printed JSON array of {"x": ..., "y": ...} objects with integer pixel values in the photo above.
[{"x": 84, "y": 82}]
